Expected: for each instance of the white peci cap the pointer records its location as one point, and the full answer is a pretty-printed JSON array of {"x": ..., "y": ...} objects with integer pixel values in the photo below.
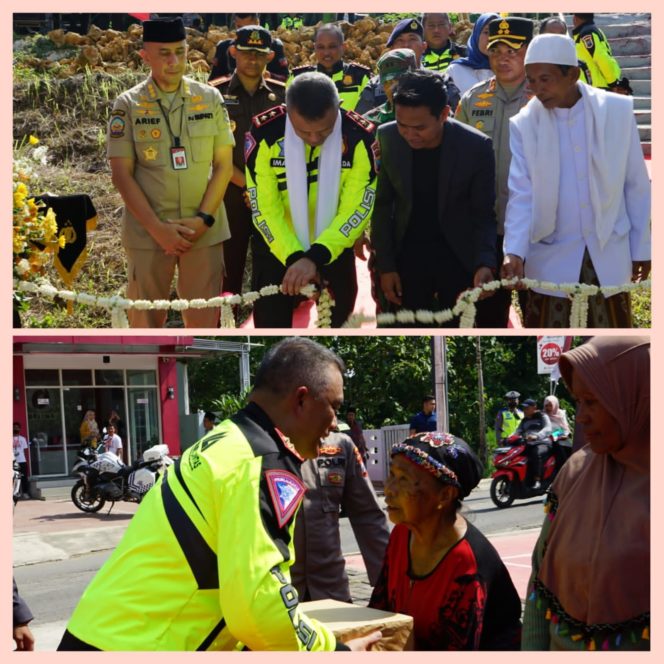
[{"x": 552, "y": 49}]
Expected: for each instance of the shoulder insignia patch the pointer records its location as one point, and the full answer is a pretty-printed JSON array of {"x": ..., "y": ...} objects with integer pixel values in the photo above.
[
  {"x": 286, "y": 491},
  {"x": 249, "y": 145},
  {"x": 358, "y": 458},
  {"x": 588, "y": 41},
  {"x": 267, "y": 116},
  {"x": 360, "y": 120}
]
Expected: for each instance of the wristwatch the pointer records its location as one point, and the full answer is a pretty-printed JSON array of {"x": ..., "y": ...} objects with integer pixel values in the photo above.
[{"x": 208, "y": 219}]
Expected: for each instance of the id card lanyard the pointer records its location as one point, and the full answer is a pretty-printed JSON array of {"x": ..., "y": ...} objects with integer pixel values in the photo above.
[{"x": 178, "y": 152}]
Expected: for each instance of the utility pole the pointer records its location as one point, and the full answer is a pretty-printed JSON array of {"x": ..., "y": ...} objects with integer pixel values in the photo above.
[
  {"x": 439, "y": 347},
  {"x": 480, "y": 400}
]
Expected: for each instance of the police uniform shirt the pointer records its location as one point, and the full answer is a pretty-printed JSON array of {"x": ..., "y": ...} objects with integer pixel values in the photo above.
[
  {"x": 242, "y": 107},
  {"x": 488, "y": 106},
  {"x": 337, "y": 478},
  {"x": 268, "y": 187},
  {"x": 593, "y": 48},
  {"x": 138, "y": 130},
  {"x": 439, "y": 59},
  {"x": 350, "y": 78}
]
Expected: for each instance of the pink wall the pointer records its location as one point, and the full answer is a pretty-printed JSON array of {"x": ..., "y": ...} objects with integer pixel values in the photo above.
[
  {"x": 170, "y": 417},
  {"x": 20, "y": 413},
  {"x": 160, "y": 340}
]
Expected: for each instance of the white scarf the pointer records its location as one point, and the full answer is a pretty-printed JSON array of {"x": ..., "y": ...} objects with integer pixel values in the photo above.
[
  {"x": 608, "y": 119},
  {"x": 329, "y": 175}
]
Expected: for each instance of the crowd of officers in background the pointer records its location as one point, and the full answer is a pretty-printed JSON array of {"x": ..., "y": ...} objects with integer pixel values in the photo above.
[{"x": 304, "y": 224}]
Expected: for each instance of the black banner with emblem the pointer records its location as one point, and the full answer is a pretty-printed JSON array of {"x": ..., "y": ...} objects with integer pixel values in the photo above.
[{"x": 75, "y": 216}]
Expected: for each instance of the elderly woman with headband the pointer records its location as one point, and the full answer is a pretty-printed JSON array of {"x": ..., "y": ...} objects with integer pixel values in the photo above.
[
  {"x": 590, "y": 584},
  {"x": 439, "y": 568}
]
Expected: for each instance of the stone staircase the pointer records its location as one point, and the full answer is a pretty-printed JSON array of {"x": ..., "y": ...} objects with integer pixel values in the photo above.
[{"x": 631, "y": 40}]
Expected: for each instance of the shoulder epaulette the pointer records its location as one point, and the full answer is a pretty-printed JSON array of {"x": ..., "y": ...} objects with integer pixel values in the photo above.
[
  {"x": 302, "y": 68},
  {"x": 360, "y": 120},
  {"x": 362, "y": 67},
  {"x": 220, "y": 80},
  {"x": 269, "y": 115},
  {"x": 277, "y": 82}
]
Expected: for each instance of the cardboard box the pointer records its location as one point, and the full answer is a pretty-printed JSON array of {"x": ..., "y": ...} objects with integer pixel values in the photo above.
[{"x": 349, "y": 621}]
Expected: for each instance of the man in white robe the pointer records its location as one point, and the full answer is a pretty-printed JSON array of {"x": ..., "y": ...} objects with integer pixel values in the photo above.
[{"x": 579, "y": 203}]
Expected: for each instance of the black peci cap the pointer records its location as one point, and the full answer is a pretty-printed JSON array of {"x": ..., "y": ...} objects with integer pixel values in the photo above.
[{"x": 164, "y": 30}]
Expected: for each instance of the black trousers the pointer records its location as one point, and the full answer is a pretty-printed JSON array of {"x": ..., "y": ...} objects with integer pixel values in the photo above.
[
  {"x": 235, "y": 248},
  {"x": 495, "y": 310},
  {"x": 537, "y": 454},
  {"x": 71, "y": 642},
  {"x": 432, "y": 278},
  {"x": 277, "y": 310}
]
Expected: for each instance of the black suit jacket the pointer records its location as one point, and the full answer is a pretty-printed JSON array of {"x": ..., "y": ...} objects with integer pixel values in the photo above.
[{"x": 466, "y": 196}]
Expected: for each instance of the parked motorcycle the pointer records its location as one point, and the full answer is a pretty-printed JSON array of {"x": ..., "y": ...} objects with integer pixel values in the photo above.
[
  {"x": 104, "y": 477},
  {"x": 511, "y": 464},
  {"x": 17, "y": 477}
]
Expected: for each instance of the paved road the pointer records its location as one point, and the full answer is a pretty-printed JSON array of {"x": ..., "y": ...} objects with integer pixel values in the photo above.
[{"x": 58, "y": 549}]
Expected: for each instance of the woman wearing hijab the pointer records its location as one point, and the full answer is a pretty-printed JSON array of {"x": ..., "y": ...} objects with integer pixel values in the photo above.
[
  {"x": 467, "y": 71},
  {"x": 590, "y": 585},
  {"x": 439, "y": 568},
  {"x": 556, "y": 414},
  {"x": 89, "y": 429}
]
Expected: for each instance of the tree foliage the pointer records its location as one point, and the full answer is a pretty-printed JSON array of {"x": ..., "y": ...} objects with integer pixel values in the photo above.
[{"x": 387, "y": 376}]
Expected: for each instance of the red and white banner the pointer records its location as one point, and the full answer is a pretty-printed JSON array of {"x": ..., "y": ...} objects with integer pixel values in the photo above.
[{"x": 549, "y": 350}]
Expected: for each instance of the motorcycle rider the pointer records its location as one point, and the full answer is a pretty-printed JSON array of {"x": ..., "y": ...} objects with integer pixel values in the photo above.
[
  {"x": 509, "y": 418},
  {"x": 535, "y": 429}
]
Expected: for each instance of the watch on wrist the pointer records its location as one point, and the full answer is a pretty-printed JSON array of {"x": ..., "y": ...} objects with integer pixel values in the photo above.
[{"x": 208, "y": 219}]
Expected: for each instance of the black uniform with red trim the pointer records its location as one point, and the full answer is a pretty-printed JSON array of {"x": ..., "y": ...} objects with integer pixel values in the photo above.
[
  {"x": 242, "y": 107},
  {"x": 224, "y": 63},
  {"x": 468, "y": 601}
]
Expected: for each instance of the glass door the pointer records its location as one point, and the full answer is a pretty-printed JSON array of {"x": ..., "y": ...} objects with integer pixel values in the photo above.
[{"x": 45, "y": 431}]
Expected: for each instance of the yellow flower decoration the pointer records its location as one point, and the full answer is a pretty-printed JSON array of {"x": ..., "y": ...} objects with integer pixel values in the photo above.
[{"x": 33, "y": 140}]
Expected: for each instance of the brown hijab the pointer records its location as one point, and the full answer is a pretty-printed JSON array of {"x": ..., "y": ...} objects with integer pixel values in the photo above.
[{"x": 597, "y": 560}]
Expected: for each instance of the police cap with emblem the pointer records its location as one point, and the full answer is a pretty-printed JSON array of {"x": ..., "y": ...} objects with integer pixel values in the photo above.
[
  {"x": 404, "y": 26},
  {"x": 512, "y": 394},
  {"x": 253, "y": 38},
  {"x": 164, "y": 30},
  {"x": 511, "y": 30},
  {"x": 393, "y": 64}
]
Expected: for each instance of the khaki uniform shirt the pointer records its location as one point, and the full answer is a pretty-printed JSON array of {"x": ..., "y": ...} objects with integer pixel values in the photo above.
[
  {"x": 488, "y": 107},
  {"x": 138, "y": 130}
]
